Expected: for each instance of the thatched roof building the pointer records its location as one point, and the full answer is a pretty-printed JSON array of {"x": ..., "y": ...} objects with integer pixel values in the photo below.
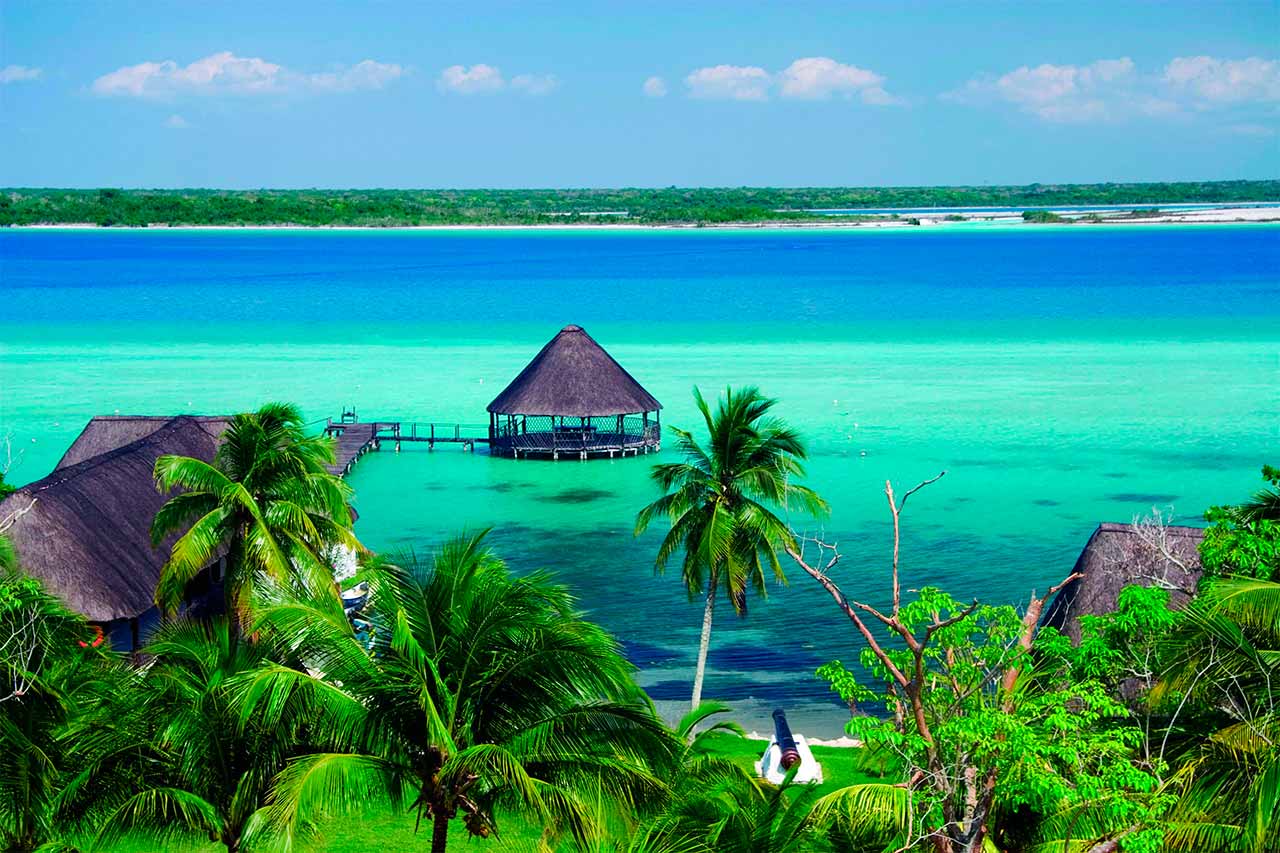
[
  {"x": 1120, "y": 555},
  {"x": 108, "y": 432},
  {"x": 84, "y": 530},
  {"x": 574, "y": 399}
]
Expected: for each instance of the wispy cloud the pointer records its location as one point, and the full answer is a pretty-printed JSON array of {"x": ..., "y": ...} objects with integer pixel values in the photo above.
[
  {"x": 812, "y": 78},
  {"x": 1225, "y": 81},
  {"x": 482, "y": 79},
  {"x": 730, "y": 82},
  {"x": 367, "y": 74},
  {"x": 1059, "y": 93},
  {"x": 535, "y": 84},
  {"x": 225, "y": 73},
  {"x": 1115, "y": 89},
  {"x": 176, "y": 122},
  {"x": 19, "y": 74},
  {"x": 479, "y": 79},
  {"x": 654, "y": 87}
]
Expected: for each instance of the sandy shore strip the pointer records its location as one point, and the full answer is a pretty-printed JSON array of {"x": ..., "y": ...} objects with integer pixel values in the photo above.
[
  {"x": 843, "y": 741},
  {"x": 1208, "y": 216}
]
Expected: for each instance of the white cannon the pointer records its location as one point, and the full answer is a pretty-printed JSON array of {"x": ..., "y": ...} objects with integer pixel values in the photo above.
[{"x": 786, "y": 751}]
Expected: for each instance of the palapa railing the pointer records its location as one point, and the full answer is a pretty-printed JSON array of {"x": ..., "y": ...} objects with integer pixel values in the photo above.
[{"x": 555, "y": 434}]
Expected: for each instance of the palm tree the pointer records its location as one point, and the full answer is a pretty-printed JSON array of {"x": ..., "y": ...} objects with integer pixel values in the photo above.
[
  {"x": 480, "y": 692},
  {"x": 721, "y": 500},
  {"x": 44, "y": 675},
  {"x": 1265, "y": 503},
  {"x": 1223, "y": 676},
  {"x": 267, "y": 501},
  {"x": 8, "y": 556},
  {"x": 171, "y": 756}
]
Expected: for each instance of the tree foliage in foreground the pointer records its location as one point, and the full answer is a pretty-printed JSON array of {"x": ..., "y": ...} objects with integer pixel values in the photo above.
[
  {"x": 47, "y": 675},
  {"x": 721, "y": 501},
  {"x": 480, "y": 698},
  {"x": 993, "y": 737},
  {"x": 482, "y": 694},
  {"x": 169, "y": 757},
  {"x": 1244, "y": 539},
  {"x": 266, "y": 501},
  {"x": 1221, "y": 687}
]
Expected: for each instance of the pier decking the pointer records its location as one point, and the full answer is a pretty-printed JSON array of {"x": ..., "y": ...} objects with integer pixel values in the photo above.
[{"x": 355, "y": 438}]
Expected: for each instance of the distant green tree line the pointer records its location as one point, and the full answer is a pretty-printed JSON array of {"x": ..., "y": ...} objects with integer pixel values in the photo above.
[{"x": 385, "y": 208}]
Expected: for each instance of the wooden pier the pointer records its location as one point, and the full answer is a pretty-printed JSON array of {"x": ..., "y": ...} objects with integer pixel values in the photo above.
[{"x": 355, "y": 437}]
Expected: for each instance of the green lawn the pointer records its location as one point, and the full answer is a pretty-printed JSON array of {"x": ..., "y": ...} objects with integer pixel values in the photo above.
[{"x": 841, "y": 766}]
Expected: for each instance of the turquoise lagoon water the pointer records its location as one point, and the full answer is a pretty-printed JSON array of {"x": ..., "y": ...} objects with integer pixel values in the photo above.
[{"x": 1060, "y": 376}]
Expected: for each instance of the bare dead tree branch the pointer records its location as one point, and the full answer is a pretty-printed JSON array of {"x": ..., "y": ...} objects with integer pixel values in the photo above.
[{"x": 9, "y": 520}]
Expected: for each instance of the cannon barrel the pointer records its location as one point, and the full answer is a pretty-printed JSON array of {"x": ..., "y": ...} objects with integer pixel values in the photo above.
[{"x": 790, "y": 755}]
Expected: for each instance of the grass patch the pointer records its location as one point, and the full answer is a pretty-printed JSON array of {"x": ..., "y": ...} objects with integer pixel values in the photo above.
[{"x": 841, "y": 766}]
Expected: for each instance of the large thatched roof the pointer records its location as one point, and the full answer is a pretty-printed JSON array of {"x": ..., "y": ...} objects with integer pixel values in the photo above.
[
  {"x": 84, "y": 530},
  {"x": 573, "y": 376},
  {"x": 1120, "y": 555},
  {"x": 107, "y": 432}
]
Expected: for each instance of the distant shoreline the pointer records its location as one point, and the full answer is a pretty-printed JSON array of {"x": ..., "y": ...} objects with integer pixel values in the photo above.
[{"x": 936, "y": 219}]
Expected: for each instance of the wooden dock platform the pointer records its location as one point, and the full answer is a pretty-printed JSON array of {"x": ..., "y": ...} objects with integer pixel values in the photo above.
[{"x": 355, "y": 438}]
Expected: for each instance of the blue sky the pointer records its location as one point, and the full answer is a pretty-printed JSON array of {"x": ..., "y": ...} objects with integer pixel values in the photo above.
[{"x": 382, "y": 94}]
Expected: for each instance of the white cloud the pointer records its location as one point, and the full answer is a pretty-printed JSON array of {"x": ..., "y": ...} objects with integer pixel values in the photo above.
[
  {"x": 225, "y": 73},
  {"x": 19, "y": 74},
  {"x": 1224, "y": 81},
  {"x": 363, "y": 75},
  {"x": 535, "y": 84},
  {"x": 1059, "y": 93},
  {"x": 479, "y": 79},
  {"x": 1113, "y": 89},
  {"x": 1063, "y": 93},
  {"x": 818, "y": 77},
  {"x": 808, "y": 78},
  {"x": 730, "y": 82},
  {"x": 655, "y": 87},
  {"x": 878, "y": 96},
  {"x": 482, "y": 79},
  {"x": 176, "y": 122}
]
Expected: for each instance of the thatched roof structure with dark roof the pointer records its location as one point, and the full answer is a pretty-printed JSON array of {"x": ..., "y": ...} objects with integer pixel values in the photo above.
[
  {"x": 573, "y": 376},
  {"x": 84, "y": 530},
  {"x": 107, "y": 432},
  {"x": 1120, "y": 555}
]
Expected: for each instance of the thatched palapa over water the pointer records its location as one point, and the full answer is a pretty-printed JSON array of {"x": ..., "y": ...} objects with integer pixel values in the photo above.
[
  {"x": 85, "y": 530},
  {"x": 574, "y": 399}
]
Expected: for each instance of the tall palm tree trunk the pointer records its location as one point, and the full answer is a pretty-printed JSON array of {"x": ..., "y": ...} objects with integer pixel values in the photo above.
[
  {"x": 704, "y": 645},
  {"x": 439, "y": 832}
]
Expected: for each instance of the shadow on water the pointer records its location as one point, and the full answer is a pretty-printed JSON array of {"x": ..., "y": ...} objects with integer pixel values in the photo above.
[
  {"x": 1142, "y": 497},
  {"x": 644, "y": 654},
  {"x": 761, "y": 658},
  {"x": 579, "y": 496}
]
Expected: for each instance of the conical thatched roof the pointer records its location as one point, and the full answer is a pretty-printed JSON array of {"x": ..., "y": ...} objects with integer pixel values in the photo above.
[
  {"x": 1120, "y": 555},
  {"x": 84, "y": 530},
  {"x": 573, "y": 376}
]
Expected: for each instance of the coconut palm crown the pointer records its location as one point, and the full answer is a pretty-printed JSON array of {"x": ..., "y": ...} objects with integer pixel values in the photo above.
[
  {"x": 721, "y": 501},
  {"x": 267, "y": 501},
  {"x": 478, "y": 693}
]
